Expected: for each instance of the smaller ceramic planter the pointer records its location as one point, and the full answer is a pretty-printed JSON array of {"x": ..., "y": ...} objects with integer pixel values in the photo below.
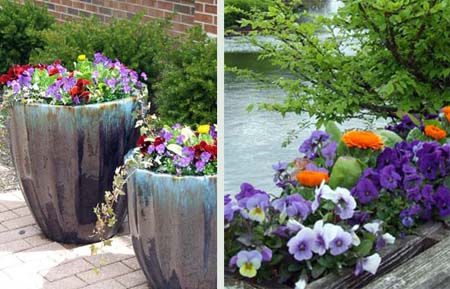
[
  {"x": 65, "y": 158},
  {"x": 173, "y": 228}
]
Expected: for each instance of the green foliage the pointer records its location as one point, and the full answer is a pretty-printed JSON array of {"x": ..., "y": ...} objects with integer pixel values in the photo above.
[
  {"x": 346, "y": 172},
  {"x": 372, "y": 58},
  {"x": 19, "y": 26},
  {"x": 235, "y": 10},
  {"x": 181, "y": 70},
  {"x": 187, "y": 90},
  {"x": 136, "y": 43}
]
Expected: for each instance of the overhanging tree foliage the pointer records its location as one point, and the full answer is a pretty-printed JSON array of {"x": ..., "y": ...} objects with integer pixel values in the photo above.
[{"x": 374, "y": 57}]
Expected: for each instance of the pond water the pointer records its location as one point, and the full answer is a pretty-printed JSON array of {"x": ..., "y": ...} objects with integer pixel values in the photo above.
[{"x": 253, "y": 139}]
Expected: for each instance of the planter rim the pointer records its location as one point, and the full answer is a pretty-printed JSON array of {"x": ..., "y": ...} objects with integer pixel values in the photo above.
[
  {"x": 165, "y": 175},
  {"x": 70, "y": 107}
]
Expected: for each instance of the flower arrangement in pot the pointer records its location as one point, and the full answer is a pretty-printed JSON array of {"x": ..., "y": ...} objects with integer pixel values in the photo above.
[
  {"x": 69, "y": 130},
  {"x": 349, "y": 196},
  {"x": 170, "y": 180}
]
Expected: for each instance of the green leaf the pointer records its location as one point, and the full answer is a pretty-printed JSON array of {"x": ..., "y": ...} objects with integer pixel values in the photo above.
[
  {"x": 433, "y": 122},
  {"x": 389, "y": 138},
  {"x": 333, "y": 130},
  {"x": 317, "y": 271},
  {"x": 175, "y": 148},
  {"x": 364, "y": 248}
]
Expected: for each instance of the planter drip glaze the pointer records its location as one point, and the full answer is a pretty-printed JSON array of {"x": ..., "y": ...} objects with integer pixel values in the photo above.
[
  {"x": 173, "y": 228},
  {"x": 65, "y": 159}
]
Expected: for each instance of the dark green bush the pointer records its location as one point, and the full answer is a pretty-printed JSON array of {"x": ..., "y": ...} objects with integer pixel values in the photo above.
[
  {"x": 187, "y": 92},
  {"x": 136, "y": 43},
  {"x": 19, "y": 26}
]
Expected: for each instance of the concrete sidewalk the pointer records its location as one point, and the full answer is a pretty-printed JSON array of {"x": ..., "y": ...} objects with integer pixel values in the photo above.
[{"x": 28, "y": 260}]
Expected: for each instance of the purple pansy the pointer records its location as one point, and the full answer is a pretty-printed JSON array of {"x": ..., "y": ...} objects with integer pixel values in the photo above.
[
  {"x": 293, "y": 205},
  {"x": 365, "y": 190},
  {"x": 301, "y": 245},
  {"x": 341, "y": 242},
  {"x": 280, "y": 166},
  {"x": 256, "y": 206},
  {"x": 442, "y": 200},
  {"x": 329, "y": 153},
  {"x": 389, "y": 178}
]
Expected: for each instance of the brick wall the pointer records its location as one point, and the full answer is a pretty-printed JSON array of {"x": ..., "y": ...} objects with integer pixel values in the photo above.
[{"x": 188, "y": 12}]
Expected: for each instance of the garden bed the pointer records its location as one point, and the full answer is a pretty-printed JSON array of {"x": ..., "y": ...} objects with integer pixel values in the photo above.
[{"x": 422, "y": 258}]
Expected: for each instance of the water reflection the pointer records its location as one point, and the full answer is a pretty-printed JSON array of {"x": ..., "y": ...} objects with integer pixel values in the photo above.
[{"x": 253, "y": 140}]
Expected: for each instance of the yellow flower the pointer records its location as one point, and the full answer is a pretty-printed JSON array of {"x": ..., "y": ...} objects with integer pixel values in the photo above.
[
  {"x": 81, "y": 57},
  {"x": 248, "y": 270},
  {"x": 204, "y": 128},
  {"x": 257, "y": 214}
]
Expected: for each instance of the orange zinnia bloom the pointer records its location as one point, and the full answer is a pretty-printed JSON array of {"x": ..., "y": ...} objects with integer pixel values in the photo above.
[
  {"x": 435, "y": 132},
  {"x": 362, "y": 140},
  {"x": 446, "y": 111},
  {"x": 311, "y": 178}
]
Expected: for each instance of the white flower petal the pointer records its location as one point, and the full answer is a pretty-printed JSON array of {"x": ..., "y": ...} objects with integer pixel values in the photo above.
[
  {"x": 294, "y": 225},
  {"x": 329, "y": 232},
  {"x": 318, "y": 226},
  {"x": 301, "y": 284},
  {"x": 388, "y": 238},
  {"x": 355, "y": 239},
  {"x": 373, "y": 227},
  {"x": 371, "y": 263}
]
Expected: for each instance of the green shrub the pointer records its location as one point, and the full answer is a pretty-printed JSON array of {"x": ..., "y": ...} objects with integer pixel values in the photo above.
[
  {"x": 187, "y": 91},
  {"x": 19, "y": 25},
  {"x": 372, "y": 58},
  {"x": 136, "y": 43},
  {"x": 236, "y": 10}
]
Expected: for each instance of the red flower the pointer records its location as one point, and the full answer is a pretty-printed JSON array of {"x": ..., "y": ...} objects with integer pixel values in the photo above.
[
  {"x": 74, "y": 91},
  {"x": 80, "y": 90},
  {"x": 85, "y": 96},
  {"x": 53, "y": 71},
  {"x": 143, "y": 144},
  {"x": 204, "y": 147},
  {"x": 13, "y": 73},
  {"x": 4, "y": 78},
  {"x": 159, "y": 140}
]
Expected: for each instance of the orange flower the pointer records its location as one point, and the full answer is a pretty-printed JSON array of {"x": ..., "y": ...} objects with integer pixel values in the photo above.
[
  {"x": 446, "y": 111},
  {"x": 362, "y": 140},
  {"x": 311, "y": 178},
  {"x": 435, "y": 132}
]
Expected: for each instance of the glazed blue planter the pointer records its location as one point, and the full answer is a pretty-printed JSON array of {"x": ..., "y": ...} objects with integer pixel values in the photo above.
[
  {"x": 173, "y": 229},
  {"x": 65, "y": 158}
]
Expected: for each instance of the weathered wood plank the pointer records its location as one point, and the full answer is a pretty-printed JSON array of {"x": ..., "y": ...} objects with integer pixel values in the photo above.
[
  {"x": 429, "y": 270},
  {"x": 393, "y": 256},
  {"x": 232, "y": 282}
]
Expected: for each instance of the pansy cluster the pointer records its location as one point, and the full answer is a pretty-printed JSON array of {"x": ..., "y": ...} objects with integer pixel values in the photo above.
[
  {"x": 414, "y": 175},
  {"x": 293, "y": 235},
  {"x": 179, "y": 150},
  {"x": 94, "y": 81},
  {"x": 339, "y": 200}
]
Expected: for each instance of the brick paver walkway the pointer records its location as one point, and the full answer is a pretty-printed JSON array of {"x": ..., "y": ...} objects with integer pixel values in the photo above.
[{"x": 28, "y": 260}]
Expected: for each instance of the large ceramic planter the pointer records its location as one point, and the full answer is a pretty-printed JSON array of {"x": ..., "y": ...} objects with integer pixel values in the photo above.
[
  {"x": 65, "y": 158},
  {"x": 173, "y": 228}
]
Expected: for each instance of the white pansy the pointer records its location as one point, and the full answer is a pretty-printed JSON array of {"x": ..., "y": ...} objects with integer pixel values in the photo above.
[
  {"x": 371, "y": 263},
  {"x": 301, "y": 284},
  {"x": 373, "y": 227},
  {"x": 388, "y": 238}
]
